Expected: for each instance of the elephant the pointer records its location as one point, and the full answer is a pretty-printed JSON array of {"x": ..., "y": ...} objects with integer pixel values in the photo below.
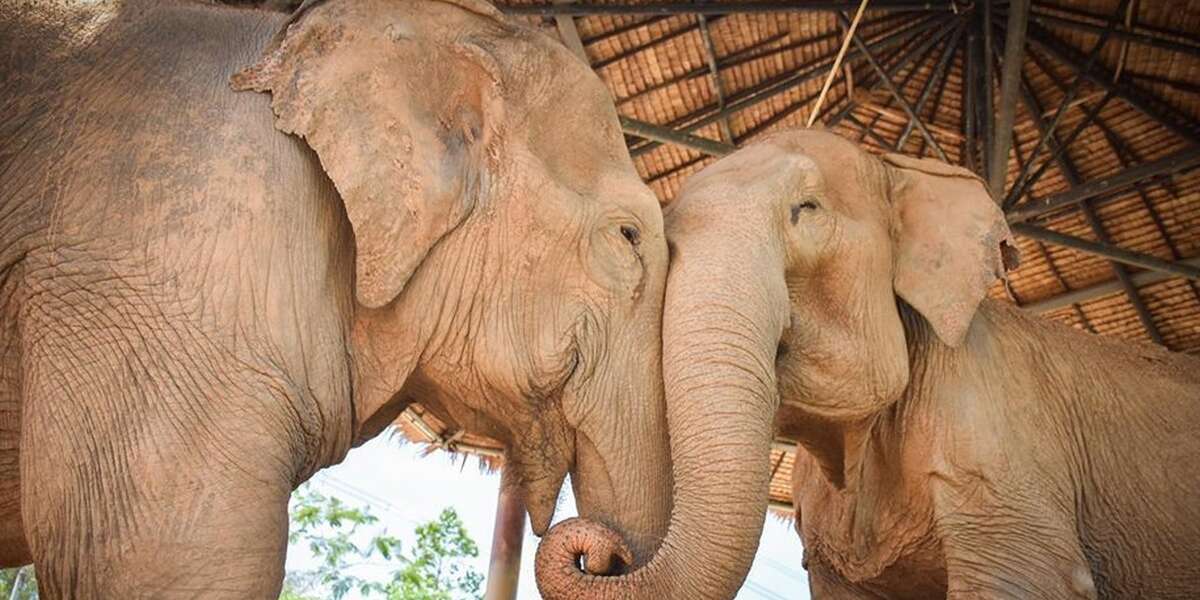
[
  {"x": 235, "y": 242},
  {"x": 949, "y": 445}
]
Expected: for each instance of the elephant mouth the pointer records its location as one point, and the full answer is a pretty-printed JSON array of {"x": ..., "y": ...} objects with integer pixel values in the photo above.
[{"x": 541, "y": 499}]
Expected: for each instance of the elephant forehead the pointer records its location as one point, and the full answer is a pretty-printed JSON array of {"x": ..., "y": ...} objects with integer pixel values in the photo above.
[{"x": 761, "y": 167}]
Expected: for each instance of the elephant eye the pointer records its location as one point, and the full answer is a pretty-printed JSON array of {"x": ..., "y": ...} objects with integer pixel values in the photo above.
[
  {"x": 631, "y": 234},
  {"x": 803, "y": 206}
]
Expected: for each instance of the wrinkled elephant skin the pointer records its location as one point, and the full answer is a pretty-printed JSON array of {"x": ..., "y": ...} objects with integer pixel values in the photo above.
[
  {"x": 235, "y": 243},
  {"x": 950, "y": 445}
]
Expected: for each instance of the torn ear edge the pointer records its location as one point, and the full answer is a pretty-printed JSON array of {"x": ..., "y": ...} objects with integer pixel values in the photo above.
[
  {"x": 1010, "y": 255},
  {"x": 951, "y": 241}
]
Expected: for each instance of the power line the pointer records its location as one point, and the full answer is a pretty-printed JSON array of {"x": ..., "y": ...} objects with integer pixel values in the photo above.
[
  {"x": 785, "y": 569},
  {"x": 762, "y": 590}
]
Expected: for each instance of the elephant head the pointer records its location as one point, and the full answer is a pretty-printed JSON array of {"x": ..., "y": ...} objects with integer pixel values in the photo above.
[
  {"x": 509, "y": 262},
  {"x": 796, "y": 264}
]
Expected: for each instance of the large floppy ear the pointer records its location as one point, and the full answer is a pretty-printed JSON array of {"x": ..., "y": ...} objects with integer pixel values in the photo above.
[
  {"x": 401, "y": 121},
  {"x": 950, "y": 240}
]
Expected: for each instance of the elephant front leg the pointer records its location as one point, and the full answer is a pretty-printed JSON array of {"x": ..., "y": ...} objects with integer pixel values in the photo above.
[
  {"x": 13, "y": 549},
  {"x": 145, "y": 479}
]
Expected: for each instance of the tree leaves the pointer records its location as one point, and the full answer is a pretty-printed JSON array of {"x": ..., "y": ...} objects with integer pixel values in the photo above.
[{"x": 435, "y": 568}]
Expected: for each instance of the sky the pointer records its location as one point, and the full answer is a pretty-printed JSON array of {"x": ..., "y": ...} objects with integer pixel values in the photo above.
[{"x": 404, "y": 488}]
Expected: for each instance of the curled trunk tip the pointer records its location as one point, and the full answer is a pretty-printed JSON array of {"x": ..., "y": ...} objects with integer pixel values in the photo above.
[{"x": 561, "y": 574}]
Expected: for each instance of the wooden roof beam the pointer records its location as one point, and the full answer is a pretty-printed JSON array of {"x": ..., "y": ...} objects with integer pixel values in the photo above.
[
  {"x": 1025, "y": 180},
  {"x": 1100, "y": 290},
  {"x": 710, "y": 56},
  {"x": 779, "y": 84},
  {"x": 570, "y": 38},
  {"x": 891, "y": 87},
  {"x": 1182, "y": 160},
  {"x": 1173, "y": 41},
  {"x": 1010, "y": 81},
  {"x": 582, "y": 9},
  {"x": 1071, "y": 172},
  {"x": 914, "y": 52},
  {"x": 1120, "y": 255},
  {"x": 1126, "y": 156},
  {"x": 1144, "y": 102},
  {"x": 881, "y": 112},
  {"x": 666, "y": 37},
  {"x": 666, "y": 135},
  {"x": 940, "y": 73},
  {"x": 760, "y": 50},
  {"x": 745, "y": 55}
]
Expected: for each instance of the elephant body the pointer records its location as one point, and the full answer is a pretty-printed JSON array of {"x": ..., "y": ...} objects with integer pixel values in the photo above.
[
  {"x": 134, "y": 303},
  {"x": 949, "y": 445},
  {"x": 1033, "y": 461},
  {"x": 208, "y": 293}
]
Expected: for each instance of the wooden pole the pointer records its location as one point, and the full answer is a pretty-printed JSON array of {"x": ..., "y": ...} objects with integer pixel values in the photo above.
[
  {"x": 1010, "y": 80},
  {"x": 504, "y": 567},
  {"x": 18, "y": 582},
  {"x": 837, "y": 62}
]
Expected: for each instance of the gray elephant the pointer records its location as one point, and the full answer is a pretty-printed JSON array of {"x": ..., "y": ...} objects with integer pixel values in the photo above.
[
  {"x": 951, "y": 445},
  {"x": 208, "y": 294}
]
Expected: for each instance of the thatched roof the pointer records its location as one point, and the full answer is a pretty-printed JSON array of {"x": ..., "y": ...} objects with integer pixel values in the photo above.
[{"x": 1125, "y": 186}]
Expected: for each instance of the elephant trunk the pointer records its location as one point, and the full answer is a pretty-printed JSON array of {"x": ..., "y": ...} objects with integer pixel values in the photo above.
[{"x": 721, "y": 328}]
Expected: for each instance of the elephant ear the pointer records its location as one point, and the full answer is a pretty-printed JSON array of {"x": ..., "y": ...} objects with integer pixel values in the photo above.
[
  {"x": 951, "y": 242},
  {"x": 400, "y": 122}
]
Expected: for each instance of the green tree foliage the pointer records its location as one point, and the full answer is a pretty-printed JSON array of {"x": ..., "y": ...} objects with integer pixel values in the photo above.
[
  {"x": 24, "y": 580},
  {"x": 344, "y": 539},
  {"x": 341, "y": 538},
  {"x": 435, "y": 569}
]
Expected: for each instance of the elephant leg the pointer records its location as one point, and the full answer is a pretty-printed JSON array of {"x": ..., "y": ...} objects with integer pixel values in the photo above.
[
  {"x": 1025, "y": 556},
  {"x": 13, "y": 549},
  {"x": 152, "y": 468}
]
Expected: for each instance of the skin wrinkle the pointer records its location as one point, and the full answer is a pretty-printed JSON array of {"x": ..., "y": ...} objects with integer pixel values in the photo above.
[
  {"x": 1026, "y": 460},
  {"x": 208, "y": 340}
]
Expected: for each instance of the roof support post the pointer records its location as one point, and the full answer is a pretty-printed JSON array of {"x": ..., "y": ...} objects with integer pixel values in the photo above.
[
  {"x": 508, "y": 535},
  {"x": 970, "y": 66},
  {"x": 987, "y": 113},
  {"x": 710, "y": 54},
  {"x": 1023, "y": 180},
  {"x": 1010, "y": 79}
]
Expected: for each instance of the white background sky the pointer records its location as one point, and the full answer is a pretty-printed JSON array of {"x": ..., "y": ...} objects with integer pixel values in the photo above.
[{"x": 404, "y": 489}]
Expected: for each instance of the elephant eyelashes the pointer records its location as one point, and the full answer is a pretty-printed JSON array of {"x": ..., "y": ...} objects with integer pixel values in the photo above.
[
  {"x": 797, "y": 208},
  {"x": 631, "y": 234}
]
